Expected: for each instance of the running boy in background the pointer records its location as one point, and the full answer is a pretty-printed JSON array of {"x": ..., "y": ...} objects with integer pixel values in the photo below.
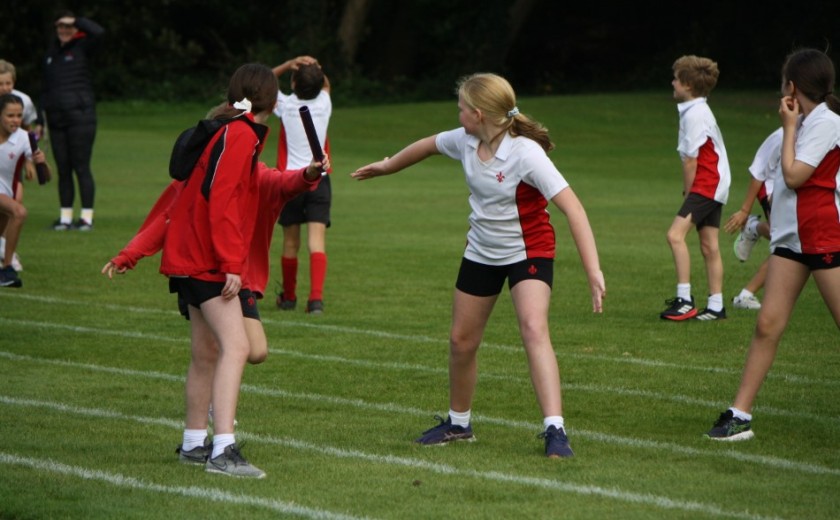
[
  {"x": 706, "y": 181},
  {"x": 765, "y": 165},
  {"x": 310, "y": 87}
]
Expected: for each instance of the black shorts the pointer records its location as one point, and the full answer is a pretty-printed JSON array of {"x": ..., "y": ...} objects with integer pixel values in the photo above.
[
  {"x": 246, "y": 297},
  {"x": 311, "y": 206},
  {"x": 703, "y": 210},
  {"x": 812, "y": 262},
  {"x": 487, "y": 280}
]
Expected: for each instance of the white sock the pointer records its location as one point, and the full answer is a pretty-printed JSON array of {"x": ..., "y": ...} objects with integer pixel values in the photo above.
[
  {"x": 193, "y": 439},
  {"x": 715, "y": 302},
  {"x": 220, "y": 442},
  {"x": 553, "y": 420},
  {"x": 87, "y": 215},
  {"x": 745, "y": 294},
  {"x": 744, "y": 416},
  {"x": 684, "y": 291},
  {"x": 66, "y": 216},
  {"x": 460, "y": 418}
]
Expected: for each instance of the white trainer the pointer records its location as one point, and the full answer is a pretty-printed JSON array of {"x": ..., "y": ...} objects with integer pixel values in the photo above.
[
  {"x": 747, "y": 239},
  {"x": 746, "y": 302}
]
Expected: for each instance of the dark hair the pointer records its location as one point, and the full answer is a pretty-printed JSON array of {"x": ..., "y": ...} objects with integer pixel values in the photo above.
[
  {"x": 254, "y": 81},
  {"x": 812, "y": 73},
  {"x": 308, "y": 81},
  {"x": 9, "y": 99}
]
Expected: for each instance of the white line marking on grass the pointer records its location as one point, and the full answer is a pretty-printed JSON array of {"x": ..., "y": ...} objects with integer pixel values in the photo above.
[
  {"x": 659, "y": 501},
  {"x": 342, "y": 402},
  {"x": 627, "y": 392},
  {"x": 414, "y": 338},
  {"x": 216, "y": 495}
]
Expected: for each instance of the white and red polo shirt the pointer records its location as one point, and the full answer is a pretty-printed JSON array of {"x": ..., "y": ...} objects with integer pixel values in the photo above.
[
  {"x": 700, "y": 138},
  {"x": 509, "y": 196},
  {"x": 767, "y": 163},
  {"x": 12, "y": 154},
  {"x": 807, "y": 219}
]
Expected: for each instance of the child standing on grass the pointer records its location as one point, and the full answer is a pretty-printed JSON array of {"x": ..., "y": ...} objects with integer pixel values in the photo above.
[
  {"x": 705, "y": 188},
  {"x": 15, "y": 155},
  {"x": 310, "y": 87},
  {"x": 511, "y": 180},
  {"x": 805, "y": 231},
  {"x": 762, "y": 170},
  {"x": 204, "y": 255}
]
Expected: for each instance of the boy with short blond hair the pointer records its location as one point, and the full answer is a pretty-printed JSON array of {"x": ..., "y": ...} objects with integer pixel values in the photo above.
[{"x": 706, "y": 179}]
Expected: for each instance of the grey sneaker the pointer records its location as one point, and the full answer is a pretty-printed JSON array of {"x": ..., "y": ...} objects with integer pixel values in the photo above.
[
  {"x": 233, "y": 464},
  {"x": 197, "y": 455}
]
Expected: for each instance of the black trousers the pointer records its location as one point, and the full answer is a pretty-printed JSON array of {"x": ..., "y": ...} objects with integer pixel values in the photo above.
[{"x": 72, "y": 149}]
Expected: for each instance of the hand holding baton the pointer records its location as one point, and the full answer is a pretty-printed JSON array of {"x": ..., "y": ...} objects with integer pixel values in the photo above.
[
  {"x": 311, "y": 134},
  {"x": 42, "y": 168}
]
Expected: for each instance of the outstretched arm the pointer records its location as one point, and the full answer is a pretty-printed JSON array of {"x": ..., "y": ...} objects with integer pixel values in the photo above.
[
  {"x": 411, "y": 154},
  {"x": 581, "y": 231}
]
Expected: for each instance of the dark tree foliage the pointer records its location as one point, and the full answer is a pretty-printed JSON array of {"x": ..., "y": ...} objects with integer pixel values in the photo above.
[{"x": 416, "y": 49}]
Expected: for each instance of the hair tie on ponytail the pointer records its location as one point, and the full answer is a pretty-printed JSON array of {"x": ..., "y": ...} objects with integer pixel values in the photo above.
[
  {"x": 245, "y": 105},
  {"x": 514, "y": 112}
]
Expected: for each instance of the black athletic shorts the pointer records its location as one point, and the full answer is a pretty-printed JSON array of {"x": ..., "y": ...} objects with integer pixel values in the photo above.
[
  {"x": 487, "y": 280},
  {"x": 311, "y": 206},
  {"x": 703, "y": 210},
  {"x": 812, "y": 262},
  {"x": 246, "y": 297}
]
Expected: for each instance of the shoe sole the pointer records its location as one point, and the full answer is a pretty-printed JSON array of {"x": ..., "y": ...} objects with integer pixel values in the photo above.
[
  {"x": 447, "y": 441},
  {"x": 15, "y": 284},
  {"x": 743, "y": 436},
  {"x": 213, "y": 469},
  {"x": 682, "y": 317}
]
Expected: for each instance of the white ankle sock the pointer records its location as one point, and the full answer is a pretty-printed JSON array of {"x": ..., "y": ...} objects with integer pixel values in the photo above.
[
  {"x": 684, "y": 291},
  {"x": 193, "y": 439},
  {"x": 66, "y": 216},
  {"x": 553, "y": 420},
  {"x": 220, "y": 442},
  {"x": 460, "y": 418},
  {"x": 740, "y": 415},
  {"x": 715, "y": 302},
  {"x": 745, "y": 294}
]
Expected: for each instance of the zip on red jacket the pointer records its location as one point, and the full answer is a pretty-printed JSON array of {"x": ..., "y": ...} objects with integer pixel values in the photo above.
[{"x": 212, "y": 221}]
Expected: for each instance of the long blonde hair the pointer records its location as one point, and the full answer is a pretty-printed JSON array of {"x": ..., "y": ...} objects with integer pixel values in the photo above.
[{"x": 494, "y": 96}]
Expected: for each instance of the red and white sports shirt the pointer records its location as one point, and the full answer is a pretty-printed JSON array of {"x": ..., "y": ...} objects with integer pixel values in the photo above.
[
  {"x": 293, "y": 150},
  {"x": 700, "y": 138},
  {"x": 509, "y": 196},
  {"x": 807, "y": 219},
  {"x": 767, "y": 163},
  {"x": 12, "y": 154}
]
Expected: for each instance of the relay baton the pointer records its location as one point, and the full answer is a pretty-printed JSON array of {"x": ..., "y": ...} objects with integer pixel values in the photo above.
[
  {"x": 311, "y": 134},
  {"x": 42, "y": 168}
]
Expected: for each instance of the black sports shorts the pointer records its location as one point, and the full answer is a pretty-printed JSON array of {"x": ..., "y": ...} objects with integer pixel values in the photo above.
[
  {"x": 703, "y": 210},
  {"x": 487, "y": 280},
  {"x": 812, "y": 262},
  {"x": 310, "y": 206}
]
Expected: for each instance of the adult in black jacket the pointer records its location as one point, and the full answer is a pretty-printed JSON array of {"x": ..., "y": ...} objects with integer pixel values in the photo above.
[{"x": 70, "y": 108}]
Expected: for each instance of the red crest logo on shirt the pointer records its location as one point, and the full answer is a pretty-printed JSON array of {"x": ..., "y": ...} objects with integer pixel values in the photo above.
[
  {"x": 11, "y": 156},
  {"x": 500, "y": 177}
]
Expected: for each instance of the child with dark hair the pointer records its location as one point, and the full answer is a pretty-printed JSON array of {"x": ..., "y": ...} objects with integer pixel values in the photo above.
[
  {"x": 310, "y": 87},
  {"x": 805, "y": 230}
]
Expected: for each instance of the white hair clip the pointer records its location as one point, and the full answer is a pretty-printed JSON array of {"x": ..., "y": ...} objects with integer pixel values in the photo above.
[
  {"x": 513, "y": 112},
  {"x": 245, "y": 105}
]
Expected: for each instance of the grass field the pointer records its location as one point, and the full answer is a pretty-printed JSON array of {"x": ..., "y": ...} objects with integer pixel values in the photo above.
[{"x": 91, "y": 393}]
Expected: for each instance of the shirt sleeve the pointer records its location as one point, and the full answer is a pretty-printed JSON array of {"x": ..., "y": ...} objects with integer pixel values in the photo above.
[{"x": 452, "y": 143}]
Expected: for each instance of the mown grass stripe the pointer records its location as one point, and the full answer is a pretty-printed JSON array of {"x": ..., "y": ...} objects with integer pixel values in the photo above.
[
  {"x": 216, "y": 495},
  {"x": 648, "y": 499}
]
